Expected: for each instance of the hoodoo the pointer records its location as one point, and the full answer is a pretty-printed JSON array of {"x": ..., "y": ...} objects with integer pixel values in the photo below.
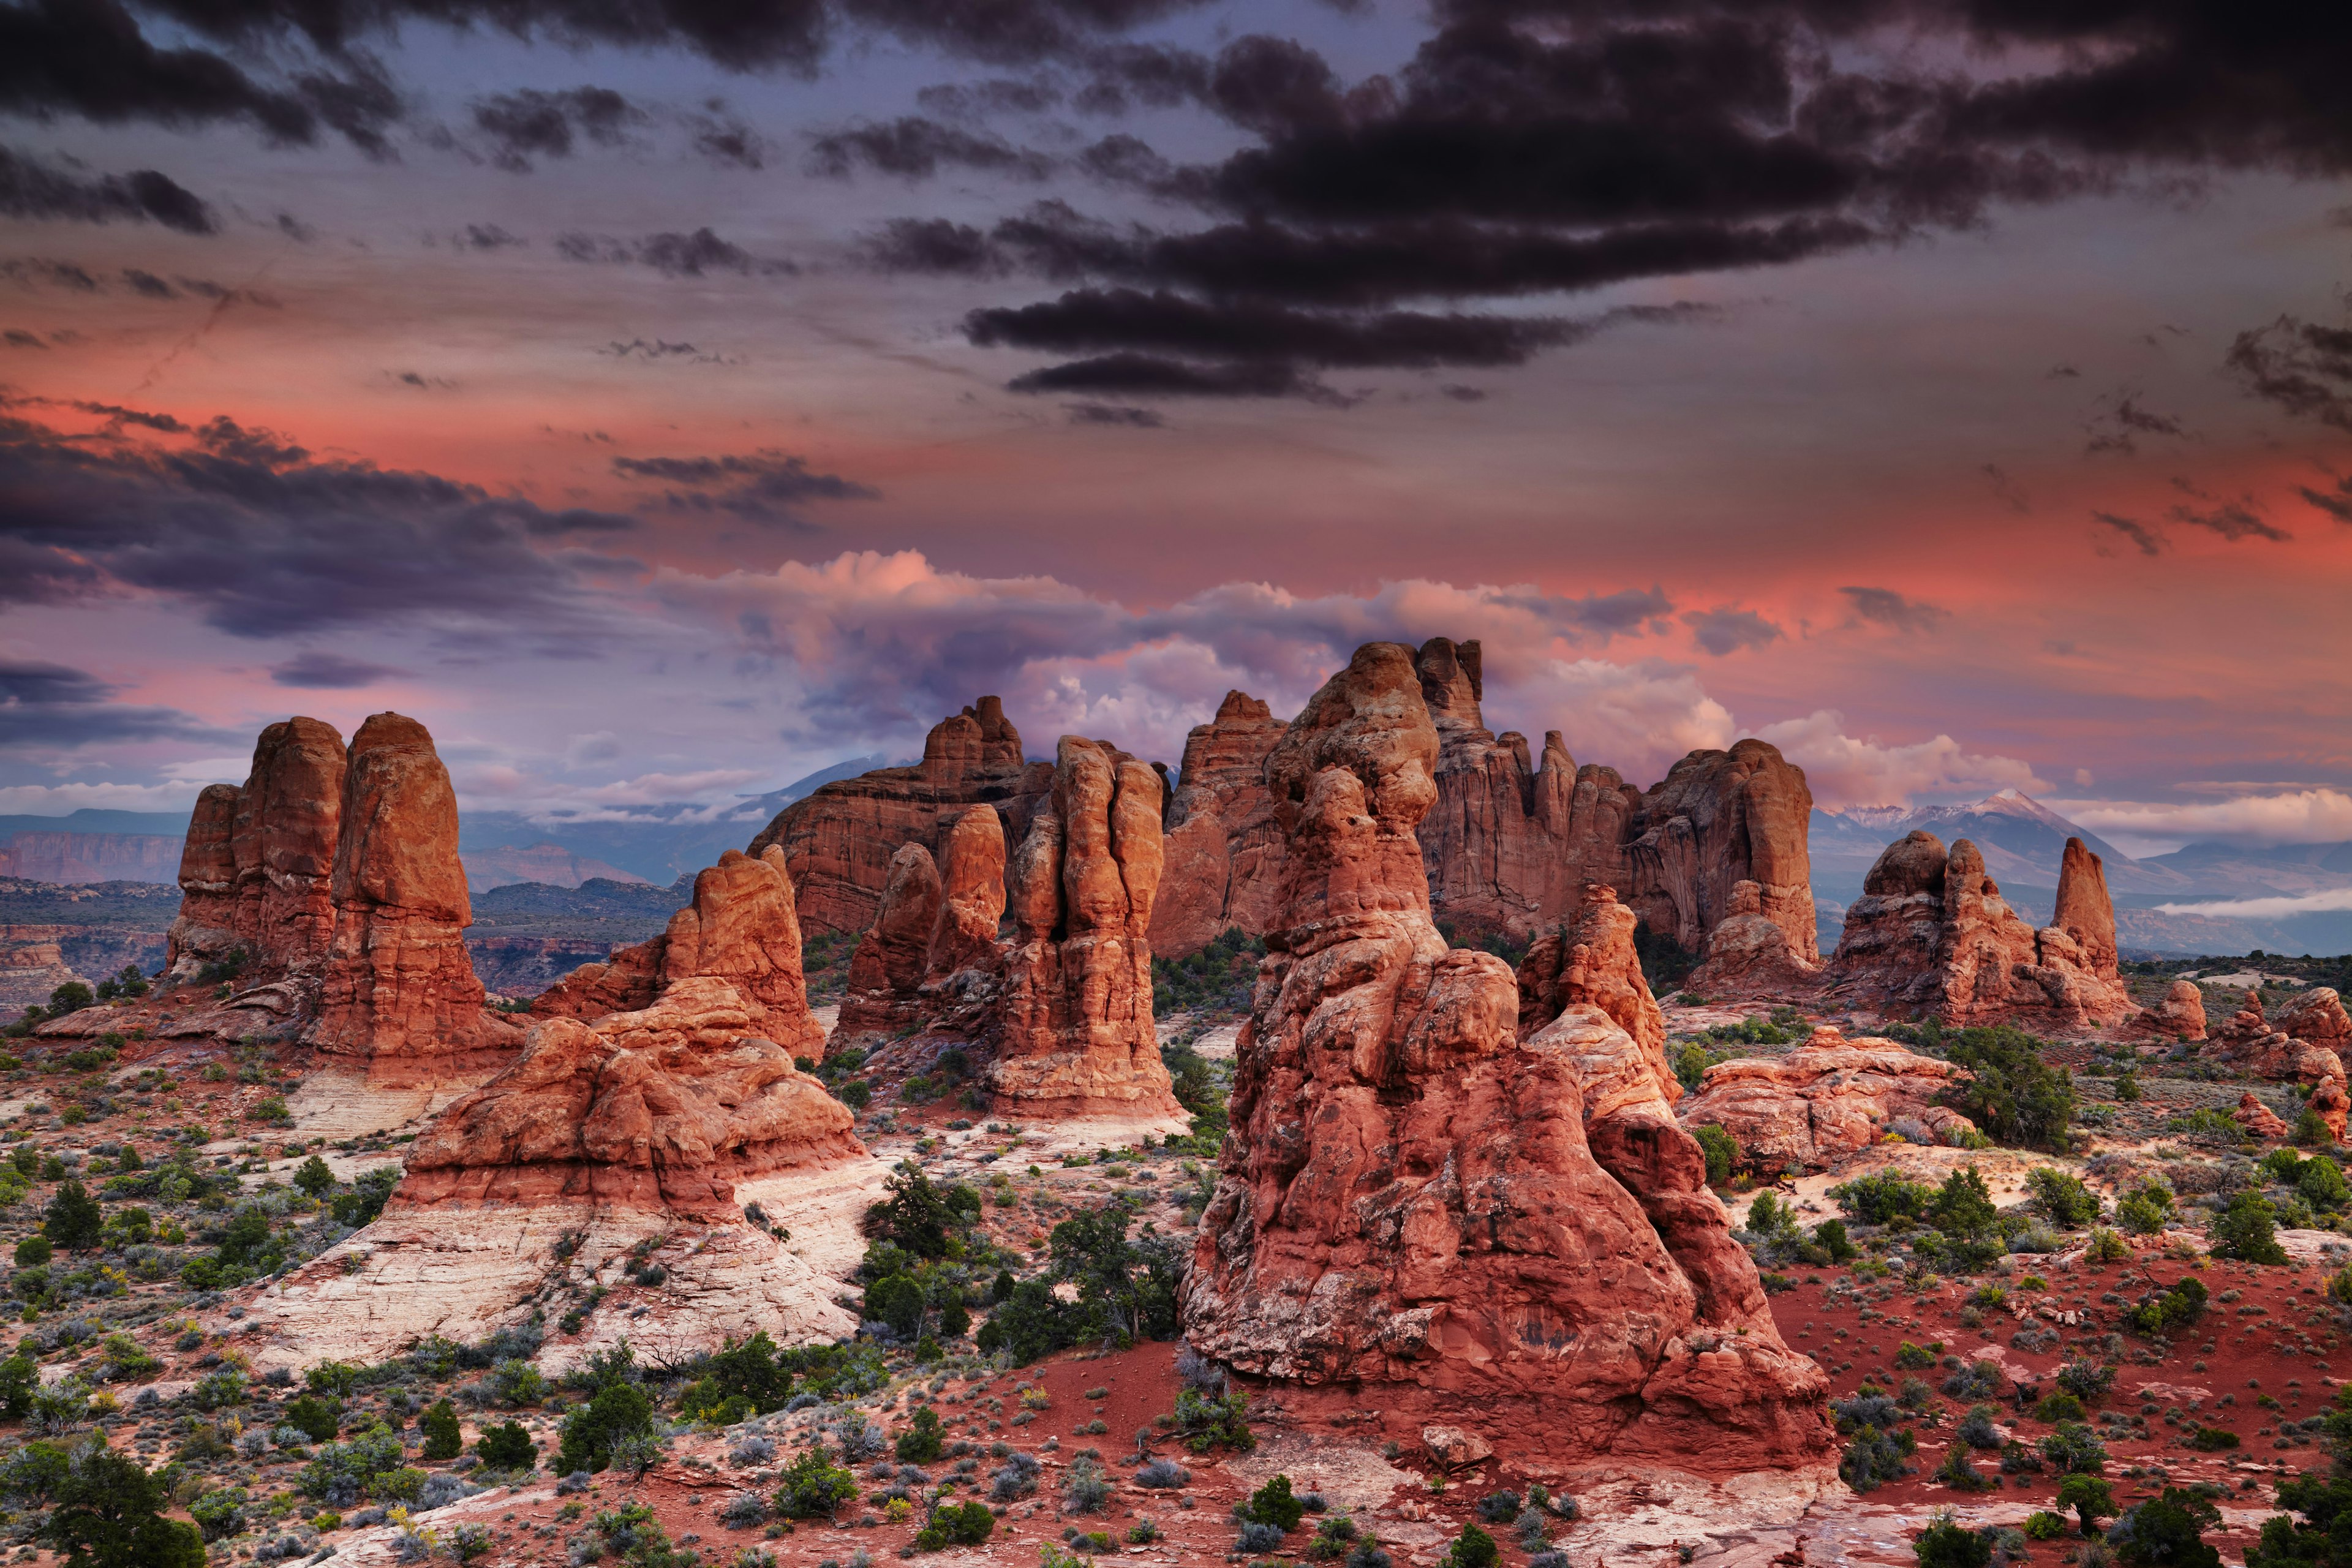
[{"x": 1510, "y": 1235}]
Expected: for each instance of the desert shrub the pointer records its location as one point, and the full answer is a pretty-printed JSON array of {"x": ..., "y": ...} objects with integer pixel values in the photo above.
[
  {"x": 1014, "y": 1480},
  {"x": 1975, "y": 1379},
  {"x": 2043, "y": 1525},
  {"x": 507, "y": 1446},
  {"x": 1947, "y": 1543},
  {"x": 1875, "y": 1457},
  {"x": 2245, "y": 1230},
  {"x": 814, "y": 1486},
  {"x": 1473, "y": 1548},
  {"x": 1163, "y": 1475},
  {"x": 1721, "y": 1149},
  {"x": 590, "y": 1434},
  {"x": 1883, "y": 1196},
  {"x": 1977, "y": 1429},
  {"x": 2166, "y": 1530},
  {"x": 2057, "y": 1407},
  {"x": 1958, "y": 1473},
  {"x": 1274, "y": 1503},
  {"x": 1914, "y": 1358},
  {"x": 2074, "y": 1449},
  {"x": 2213, "y": 1439},
  {"x": 1086, "y": 1488},
  {"x": 2166, "y": 1312},
  {"x": 2087, "y": 1381},
  {"x": 2062, "y": 1196}
]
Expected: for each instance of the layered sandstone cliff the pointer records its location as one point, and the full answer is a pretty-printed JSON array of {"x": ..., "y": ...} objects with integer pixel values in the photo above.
[
  {"x": 1828, "y": 1098},
  {"x": 1511, "y": 1233},
  {"x": 1070, "y": 1028},
  {"x": 838, "y": 842},
  {"x": 1718, "y": 819},
  {"x": 1224, "y": 850},
  {"x": 1932, "y": 934}
]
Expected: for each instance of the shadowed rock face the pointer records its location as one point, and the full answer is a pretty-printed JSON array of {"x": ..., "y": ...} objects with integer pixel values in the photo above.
[
  {"x": 1223, "y": 851},
  {"x": 665, "y": 1108},
  {"x": 742, "y": 928},
  {"x": 398, "y": 983},
  {"x": 1511, "y": 1235},
  {"x": 1071, "y": 1027},
  {"x": 886, "y": 973},
  {"x": 1931, "y": 934},
  {"x": 839, "y": 841}
]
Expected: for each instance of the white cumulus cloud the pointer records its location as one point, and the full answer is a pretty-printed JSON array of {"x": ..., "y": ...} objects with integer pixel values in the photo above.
[{"x": 1846, "y": 771}]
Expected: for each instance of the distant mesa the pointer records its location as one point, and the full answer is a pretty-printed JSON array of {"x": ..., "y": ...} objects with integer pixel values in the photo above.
[
  {"x": 39, "y": 855},
  {"x": 549, "y": 864}
]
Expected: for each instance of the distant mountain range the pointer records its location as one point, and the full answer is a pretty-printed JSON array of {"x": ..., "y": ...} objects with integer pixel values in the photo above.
[{"x": 2022, "y": 841}]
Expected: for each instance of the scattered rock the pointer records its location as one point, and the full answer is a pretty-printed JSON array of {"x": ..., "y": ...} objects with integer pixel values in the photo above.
[{"x": 1452, "y": 1447}]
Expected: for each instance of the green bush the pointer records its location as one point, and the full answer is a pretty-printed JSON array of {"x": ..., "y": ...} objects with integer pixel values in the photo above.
[
  {"x": 1963, "y": 1205},
  {"x": 1831, "y": 1237},
  {"x": 220, "y": 1513},
  {"x": 315, "y": 1418},
  {"x": 620, "y": 1410},
  {"x": 814, "y": 1486},
  {"x": 2043, "y": 1525},
  {"x": 1212, "y": 1420},
  {"x": 956, "y": 1524},
  {"x": 73, "y": 1220},
  {"x": 1875, "y": 1457},
  {"x": 2163, "y": 1312},
  {"x": 1274, "y": 1504},
  {"x": 507, "y": 1446},
  {"x": 1947, "y": 1543},
  {"x": 2063, "y": 1197},
  {"x": 2057, "y": 1407},
  {"x": 2146, "y": 1210},
  {"x": 2213, "y": 1439},
  {"x": 2013, "y": 1096},
  {"x": 1721, "y": 1149},
  {"x": 443, "y": 1441},
  {"x": 922, "y": 1443},
  {"x": 2074, "y": 1450},
  {"x": 1883, "y": 1196},
  {"x": 2246, "y": 1231},
  {"x": 2091, "y": 1500},
  {"x": 2321, "y": 1183},
  {"x": 2166, "y": 1530},
  {"x": 1473, "y": 1548},
  {"x": 107, "y": 1510}
]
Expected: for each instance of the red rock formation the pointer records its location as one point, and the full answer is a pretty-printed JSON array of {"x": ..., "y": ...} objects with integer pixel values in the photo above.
[
  {"x": 887, "y": 970},
  {"x": 1413, "y": 1196},
  {"x": 1071, "y": 1029},
  {"x": 972, "y": 895},
  {"x": 1717, "y": 819},
  {"x": 1931, "y": 933},
  {"x": 740, "y": 928},
  {"x": 1595, "y": 963},
  {"x": 2259, "y": 1120},
  {"x": 2180, "y": 1015},
  {"x": 257, "y": 873},
  {"x": 1748, "y": 955},
  {"x": 1828, "y": 1098},
  {"x": 838, "y": 841},
  {"x": 2304, "y": 1047},
  {"x": 398, "y": 985},
  {"x": 663, "y": 1109},
  {"x": 1224, "y": 850},
  {"x": 206, "y": 928},
  {"x": 1508, "y": 847},
  {"x": 287, "y": 826}
]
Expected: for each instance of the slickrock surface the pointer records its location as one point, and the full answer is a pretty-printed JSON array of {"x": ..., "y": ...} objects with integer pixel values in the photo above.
[
  {"x": 2303, "y": 1047},
  {"x": 839, "y": 841},
  {"x": 1409, "y": 1195},
  {"x": 1071, "y": 1029},
  {"x": 1932, "y": 934},
  {"x": 1223, "y": 849},
  {"x": 1828, "y": 1098},
  {"x": 663, "y": 1109},
  {"x": 398, "y": 986},
  {"x": 1717, "y": 820}
]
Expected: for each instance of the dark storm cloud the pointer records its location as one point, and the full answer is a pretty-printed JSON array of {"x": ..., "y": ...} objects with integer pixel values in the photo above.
[
  {"x": 724, "y": 140},
  {"x": 528, "y": 125},
  {"x": 19, "y": 338},
  {"x": 1152, "y": 375},
  {"x": 2335, "y": 501},
  {"x": 977, "y": 99},
  {"x": 671, "y": 254},
  {"x": 33, "y": 190},
  {"x": 2146, "y": 539},
  {"x": 2119, "y": 428},
  {"x": 483, "y": 236},
  {"x": 762, "y": 486},
  {"x": 914, "y": 148},
  {"x": 55, "y": 706},
  {"x": 2232, "y": 520},
  {"x": 1885, "y": 607},
  {"x": 1723, "y": 629},
  {"x": 2300, "y": 367},
  {"x": 317, "y": 669},
  {"x": 1114, "y": 414},
  {"x": 1140, "y": 335},
  {"x": 268, "y": 541}
]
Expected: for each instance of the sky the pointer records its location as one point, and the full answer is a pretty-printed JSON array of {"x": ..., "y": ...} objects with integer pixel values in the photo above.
[{"x": 665, "y": 399}]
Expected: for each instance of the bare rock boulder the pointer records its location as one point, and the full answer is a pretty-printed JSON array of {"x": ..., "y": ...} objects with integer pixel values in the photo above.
[
  {"x": 2259, "y": 1120},
  {"x": 1414, "y": 1197},
  {"x": 2180, "y": 1015}
]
